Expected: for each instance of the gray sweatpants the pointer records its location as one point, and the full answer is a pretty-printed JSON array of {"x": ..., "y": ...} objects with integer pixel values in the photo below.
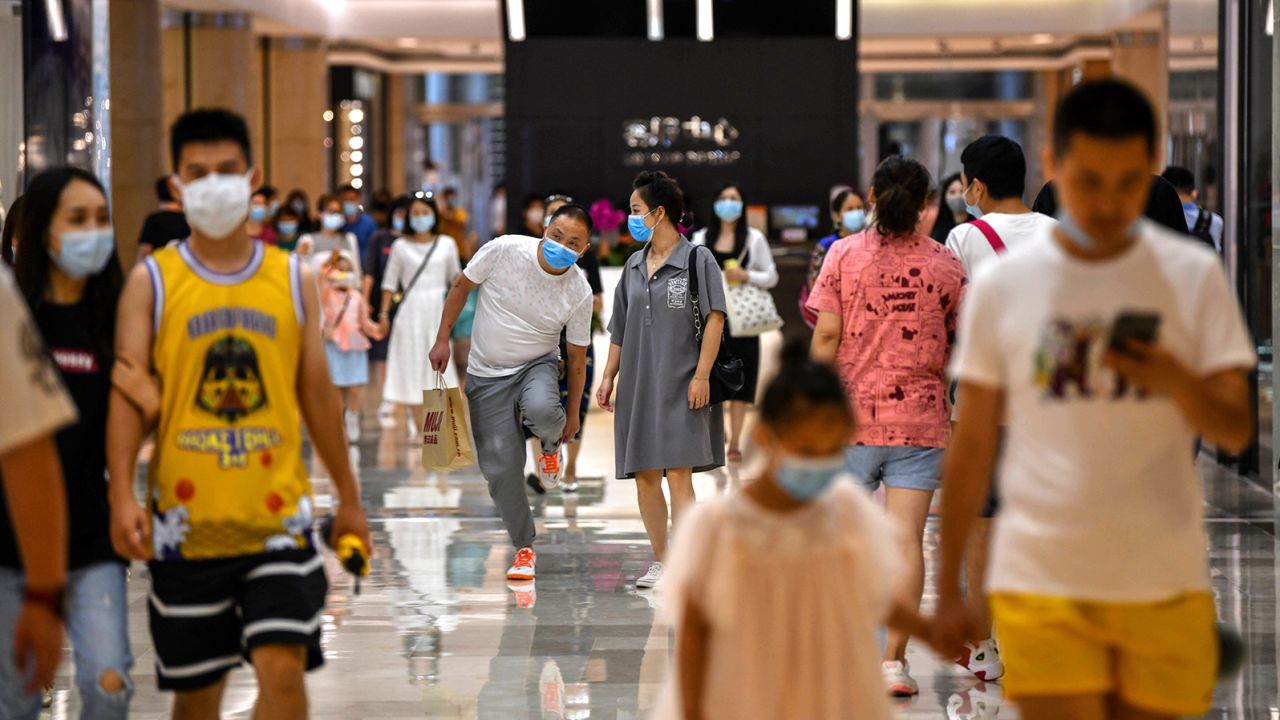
[{"x": 498, "y": 407}]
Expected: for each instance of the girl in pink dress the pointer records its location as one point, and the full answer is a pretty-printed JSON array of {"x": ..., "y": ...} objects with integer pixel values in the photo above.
[
  {"x": 347, "y": 329},
  {"x": 776, "y": 592}
]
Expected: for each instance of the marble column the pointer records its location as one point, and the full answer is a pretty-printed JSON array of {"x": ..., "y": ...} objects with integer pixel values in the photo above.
[
  {"x": 1140, "y": 54},
  {"x": 137, "y": 118},
  {"x": 296, "y": 78}
]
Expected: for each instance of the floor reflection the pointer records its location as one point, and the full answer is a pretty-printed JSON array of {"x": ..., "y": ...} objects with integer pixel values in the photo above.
[{"x": 437, "y": 632}]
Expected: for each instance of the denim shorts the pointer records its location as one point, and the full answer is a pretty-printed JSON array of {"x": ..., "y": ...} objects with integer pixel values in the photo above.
[{"x": 909, "y": 468}]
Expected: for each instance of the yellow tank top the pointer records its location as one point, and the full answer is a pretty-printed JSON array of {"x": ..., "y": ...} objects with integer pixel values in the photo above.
[{"x": 227, "y": 477}]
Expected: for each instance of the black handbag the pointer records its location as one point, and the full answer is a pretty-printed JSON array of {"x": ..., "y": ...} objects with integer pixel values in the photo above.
[{"x": 728, "y": 374}]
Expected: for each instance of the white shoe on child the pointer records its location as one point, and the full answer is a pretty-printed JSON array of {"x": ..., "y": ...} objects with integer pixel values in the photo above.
[
  {"x": 353, "y": 425},
  {"x": 897, "y": 678}
]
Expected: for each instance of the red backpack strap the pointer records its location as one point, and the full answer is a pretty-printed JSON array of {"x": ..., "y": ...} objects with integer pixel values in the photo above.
[{"x": 992, "y": 236}]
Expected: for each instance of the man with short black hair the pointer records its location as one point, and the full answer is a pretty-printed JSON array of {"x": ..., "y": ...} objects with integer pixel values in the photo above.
[
  {"x": 1108, "y": 344},
  {"x": 994, "y": 178},
  {"x": 229, "y": 330},
  {"x": 530, "y": 290},
  {"x": 1204, "y": 225}
]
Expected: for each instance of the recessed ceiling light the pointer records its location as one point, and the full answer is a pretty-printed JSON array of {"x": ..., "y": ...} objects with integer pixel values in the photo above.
[{"x": 1042, "y": 38}]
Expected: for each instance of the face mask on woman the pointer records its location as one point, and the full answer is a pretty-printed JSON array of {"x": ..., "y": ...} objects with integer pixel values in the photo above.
[
  {"x": 84, "y": 252},
  {"x": 639, "y": 230},
  {"x": 397, "y": 223},
  {"x": 258, "y": 213},
  {"x": 287, "y": 228},
  {"x": 333, "y": 221},
  {"x": 422, "y": 223},
  {"x": 728, "y": 209},
  {"x": 853, "y": 220}
]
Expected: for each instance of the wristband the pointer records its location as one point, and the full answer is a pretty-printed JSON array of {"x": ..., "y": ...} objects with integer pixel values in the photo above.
[{"x": 52, "y": 600}]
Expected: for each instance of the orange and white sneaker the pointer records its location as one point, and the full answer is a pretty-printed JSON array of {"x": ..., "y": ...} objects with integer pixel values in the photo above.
[
  {"x": 551, "y": 469},
  {"x": 525, "y": 565},
  {"x": 983, "y": 660},
  {"x": 526, "y": 592}
]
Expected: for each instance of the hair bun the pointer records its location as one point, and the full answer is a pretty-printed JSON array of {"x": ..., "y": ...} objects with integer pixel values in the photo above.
[{"x": 795, "y": 354}]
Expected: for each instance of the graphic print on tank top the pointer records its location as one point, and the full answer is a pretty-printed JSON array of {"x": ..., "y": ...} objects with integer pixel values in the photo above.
[{"x": 227, "y": 478}]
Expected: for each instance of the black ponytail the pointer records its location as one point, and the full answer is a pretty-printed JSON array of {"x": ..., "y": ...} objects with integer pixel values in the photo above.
[
  {"x": 901, "y": 187},
  {"x": 659, "y": 189},
  {"x": 801, "y": 386}
]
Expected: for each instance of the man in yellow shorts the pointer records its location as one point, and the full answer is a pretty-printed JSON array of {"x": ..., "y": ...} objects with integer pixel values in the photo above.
[{"x": 1109, "y": 344}]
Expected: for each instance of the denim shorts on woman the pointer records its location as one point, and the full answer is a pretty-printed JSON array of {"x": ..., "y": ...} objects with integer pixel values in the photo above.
[{"x": 909, "y": 468}]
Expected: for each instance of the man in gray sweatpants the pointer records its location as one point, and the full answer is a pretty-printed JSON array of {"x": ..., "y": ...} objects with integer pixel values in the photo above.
[{"x": 530, "y": 290}]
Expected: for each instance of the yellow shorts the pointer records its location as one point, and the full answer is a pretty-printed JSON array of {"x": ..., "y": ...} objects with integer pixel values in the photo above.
[{"x": 1161, "y": 657}]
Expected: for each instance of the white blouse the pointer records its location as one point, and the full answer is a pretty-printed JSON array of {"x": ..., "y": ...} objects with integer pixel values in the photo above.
[{"x": 761, "y": 270}]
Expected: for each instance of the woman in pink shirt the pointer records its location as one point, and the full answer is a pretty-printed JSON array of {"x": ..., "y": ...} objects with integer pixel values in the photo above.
[{"x": 887, "y": 302}]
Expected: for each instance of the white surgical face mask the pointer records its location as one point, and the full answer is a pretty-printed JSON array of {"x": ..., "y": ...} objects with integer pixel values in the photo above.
[{"x": 216, "y": 204}]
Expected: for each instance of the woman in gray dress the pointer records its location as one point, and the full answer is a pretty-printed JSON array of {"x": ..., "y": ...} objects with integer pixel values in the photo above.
[{"x": 665, "y": 423}]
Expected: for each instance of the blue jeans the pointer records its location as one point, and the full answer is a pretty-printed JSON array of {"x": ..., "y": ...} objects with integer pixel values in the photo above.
[{"x": 97, "y": 618}]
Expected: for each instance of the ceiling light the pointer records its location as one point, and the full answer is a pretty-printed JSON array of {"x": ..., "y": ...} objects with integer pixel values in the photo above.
[
  {"x": 706, "y": 23},
  {"x": 57, "y": 20},
  {"x": 355, "y": 143},
  {"x": 357, "y": 156},
  {"x": 357, "y": 170},
  {"x": 844, "y": 19},
  {"x": 515, "y": 20},
  {"x": 328, "y": 116},
  {"x": 656, "y": 31},
  {"x": 357, "y": 183},
  {"x": 356, "y": 115},
  {"x": 1042, "y": 38},
  {"x": 1271, "y": 18}
]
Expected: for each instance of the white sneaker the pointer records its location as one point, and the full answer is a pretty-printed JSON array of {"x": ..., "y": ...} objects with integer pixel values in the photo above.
[
  {"x": 353, "y": 425},
  {"x": 551, "y": 469},
  {"x": 983, "y": 660},
  {"x": 386, "y": 415},
  {"x": 651, "y": 578},
  {"x": 898, "y": 680}
]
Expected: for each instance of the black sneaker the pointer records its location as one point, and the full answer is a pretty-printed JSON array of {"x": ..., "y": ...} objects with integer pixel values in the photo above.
[{"x": 532, "y": 481}]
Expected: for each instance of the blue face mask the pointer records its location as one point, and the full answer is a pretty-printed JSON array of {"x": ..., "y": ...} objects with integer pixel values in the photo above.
[
  {"x": 332, "y": 221},
  {"x": 557, "y": 255},
  {"x": 397, "y": 224},
  {"x": 258, "y": 213},
  {"x": 350, "y": 209},
  {"x": 422, "y": 223},
  {"x": 85, "y": 252},
  {"x": 1084, "y": 240},
  {"x": 287, "y": 229},
  {"x": 640, "y": 231},
  {"x": 853, "y": 220},
  {"x": 973, "y": 210},
  {"x": 728, "y": 210},
  {"x": 806, "y": 478}
]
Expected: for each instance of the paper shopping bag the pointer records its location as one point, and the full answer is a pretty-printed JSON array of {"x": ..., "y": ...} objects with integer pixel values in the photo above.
[{"x": 446, "y": 432}]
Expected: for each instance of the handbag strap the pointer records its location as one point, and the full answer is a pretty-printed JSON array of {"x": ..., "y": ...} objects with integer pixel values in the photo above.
[
  {"x": 993, "y": 238},
  {"x": 337, "y": 320},
  {"x": 694, "y": 294},
  {"x": 423, "y": 266}
]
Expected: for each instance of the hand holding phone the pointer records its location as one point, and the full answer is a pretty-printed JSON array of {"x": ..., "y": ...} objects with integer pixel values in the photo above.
[{"x": 1133, "y": 326}]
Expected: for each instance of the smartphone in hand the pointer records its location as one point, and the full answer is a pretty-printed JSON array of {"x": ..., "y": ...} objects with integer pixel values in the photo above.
[{"x": 1130, "y": 326}]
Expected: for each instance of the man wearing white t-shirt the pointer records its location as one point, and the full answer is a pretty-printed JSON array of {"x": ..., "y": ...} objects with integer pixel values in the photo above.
[
  {"x": 994, "y": 177},
  {"x": 35, "y": 407},
  {"x": 1108, "y": 345},
  {"x": 530, "y": 290}
]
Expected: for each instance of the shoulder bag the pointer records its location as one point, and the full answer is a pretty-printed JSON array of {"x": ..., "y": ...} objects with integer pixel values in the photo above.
[
  {"x": 727, "y": 374},
  {"x": 399, "y": 297},
  {"x": 752, "y": 311}
]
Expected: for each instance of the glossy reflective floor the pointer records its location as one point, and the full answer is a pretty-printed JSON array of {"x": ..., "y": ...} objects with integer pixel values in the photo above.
[{"x": 437, "y": 633}]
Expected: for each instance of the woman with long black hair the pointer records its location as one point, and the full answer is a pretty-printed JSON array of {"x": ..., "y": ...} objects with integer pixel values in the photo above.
[
  {"x": 67, "y": 271},
  {"x": 951, "y": 210},
  {"x": 744, "y": 254}
]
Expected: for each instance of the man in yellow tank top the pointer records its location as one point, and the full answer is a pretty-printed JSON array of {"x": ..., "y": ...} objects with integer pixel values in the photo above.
[{"x": 228, "y": 329}]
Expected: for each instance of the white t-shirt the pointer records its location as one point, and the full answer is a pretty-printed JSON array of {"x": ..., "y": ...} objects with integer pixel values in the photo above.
[
  {"x": 35, "y": 402},
  {"x": 522, "y": 308},
  {"x": 973, "y": 248},
  {"x": 1100, "y": 498}
]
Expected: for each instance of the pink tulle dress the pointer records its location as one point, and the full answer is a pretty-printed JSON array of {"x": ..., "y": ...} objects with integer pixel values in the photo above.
[{"x": 794, "y": 601}]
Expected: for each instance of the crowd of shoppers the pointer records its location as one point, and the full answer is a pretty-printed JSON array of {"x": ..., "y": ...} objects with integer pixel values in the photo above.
[{"x": 1089, "y": 350}]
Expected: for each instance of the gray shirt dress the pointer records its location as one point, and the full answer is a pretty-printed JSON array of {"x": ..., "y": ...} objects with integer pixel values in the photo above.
[{"x": 652, "y": 322}]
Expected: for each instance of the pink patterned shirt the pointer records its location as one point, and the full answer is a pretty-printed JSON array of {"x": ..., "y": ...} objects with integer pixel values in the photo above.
[{"x": 898, "y": 301}]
